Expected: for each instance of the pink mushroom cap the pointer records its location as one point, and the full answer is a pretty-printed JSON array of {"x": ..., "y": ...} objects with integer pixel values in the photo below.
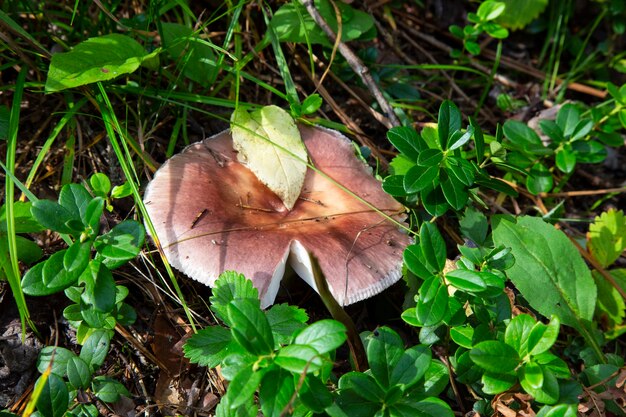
[{"x": 211, "y": 214}]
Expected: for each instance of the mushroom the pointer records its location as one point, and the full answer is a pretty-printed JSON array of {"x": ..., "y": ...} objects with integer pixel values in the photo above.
[{"x": 212, "y": 214}]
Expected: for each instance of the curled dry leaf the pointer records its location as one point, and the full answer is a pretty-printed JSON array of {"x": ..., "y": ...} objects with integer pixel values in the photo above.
[{"x": 212, "y": 214}]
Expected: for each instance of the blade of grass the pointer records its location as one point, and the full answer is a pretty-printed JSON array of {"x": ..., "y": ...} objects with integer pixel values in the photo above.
[
  {"x": 13, "y": 269},
  {"x": 73, "y": 108},
  {"x": 114, "y": 129}
]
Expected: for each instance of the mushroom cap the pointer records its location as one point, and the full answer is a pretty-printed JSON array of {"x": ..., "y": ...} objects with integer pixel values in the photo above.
[{"x": 211, "y": 214}]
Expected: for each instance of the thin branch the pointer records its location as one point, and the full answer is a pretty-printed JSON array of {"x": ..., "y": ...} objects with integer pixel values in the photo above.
[{"x": 355, "y": 63}]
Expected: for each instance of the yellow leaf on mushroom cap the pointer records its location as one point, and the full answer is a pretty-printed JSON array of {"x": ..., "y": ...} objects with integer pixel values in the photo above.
[{"x": 269, "y": 144}]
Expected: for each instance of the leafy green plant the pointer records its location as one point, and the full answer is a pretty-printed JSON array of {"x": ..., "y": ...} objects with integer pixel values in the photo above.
[
  {"x": 399, "y": 383},
  {"x": 271, "y": 352},
  {"x": 431, "y": 168},
  {"x": 83, "y": 271},
  {"x": 484, "y": 21}
]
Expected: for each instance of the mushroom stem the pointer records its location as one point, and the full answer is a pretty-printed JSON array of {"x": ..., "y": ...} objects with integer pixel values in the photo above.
[{"x": 357, "y": 350}]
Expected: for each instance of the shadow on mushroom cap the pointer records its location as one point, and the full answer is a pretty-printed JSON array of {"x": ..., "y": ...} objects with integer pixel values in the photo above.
[{"x": 212, "y": 214}]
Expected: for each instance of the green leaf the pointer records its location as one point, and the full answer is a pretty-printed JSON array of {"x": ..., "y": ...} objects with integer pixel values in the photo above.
[
  {"x": 78, "y": 373},
  {"x": 121, "y": 244},
  {"x": 194, "y": 55},
  {"x": 243, "y": 386},
  {"x": 517, "y": 332},
  {"x": 461, "y": 169},
  {"x": 428, "y": 407},
  {"x": 394, "y": 185},
  {"x": 466, "y": 280},
  {"x": 546, "y": 259},
  {"x": 91, "y": 218},
  {"x": 611, "y": 306},
  {"x": 433, "y": 246},
  {"x": 552, "y": 130},
  {"x": 230, "y": 286},
  {"x": 54, "y": 398},
  {"x": 494, "y": 383},
  {"x": 430, "y": 157},
  {"x": 607, "y": 236},
  {"x": 542, "y": 337},
  {"x": 96, "y": 59},
  {"x": 96, "y": 348},
  {"x": 479, "y": 141},
  {"x": 77, "y": 257},
  {"x": 539, "y": 179},
  {"x": 415, "y": 261},
  {"x": 474, "y": 225},
  {"x": 285, "y": 320},
  {"x": 58, "y": 356},
  {"x": 495, "y": 30},
  {"x": 269, "y": 143},
  {"x": 313, "y": 393},
  {"x": 455, "y": 193},
  {"x": 99, "y": 287},
  {"x": 419, "y": 177},
  {"x": 434, "y": 201},
  {"x": 53, "y": 216},
  {"x": 400, "y": 165},
  {"x": 589, "y": 151},
  {"x": 411, "y": 366},
  {"x": 75, "y": 198},
  {"x": 32, "y": 282},
  {"x": 448, "y": 122},
  {"x": 323, "y": 335},
  {"x": 530, "y": 376},
  {"x": 311, "y": 104},
  {"x": 100, "y": 184},
  {"x": 462, "y": 336},
  {"x": 27, "y": 250},
  {"x": 522, "y": 136},
  {"x": 459, "y": 138},
  {"x": 250, "y": 327},
  {"x": 548, "y": 393},
  {"x": 582, "y": 129},
  {"x": 108, "y": 389},
  {"x": 277, "y": 389},
  {"x": 490, "y": 10},
  {"x": 566, "y": 159},
  {"x": 495, "y": 356},
  {"x": 436, "y": 379},
  {"x": 519, "y": 14},
  {"x": 24, "y": 220},
  {"x": 567, "y": 119},
  {"x": 55, "y": 275},
  {"x": 363, "y": 385},
  {"x": 208, "y": 347},
  {"x": 432, "y": 304},
  {"x": 407, "y": 141},
  {"x": 299, "y": 358},
  {"x": 384, "y": 350}
]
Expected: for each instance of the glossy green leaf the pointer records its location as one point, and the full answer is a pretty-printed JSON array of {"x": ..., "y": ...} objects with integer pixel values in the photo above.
[
  {"x": 522, "y": 136},
  {"x": 582, "y": 129},
  {"x": 517, "y": 332},
  {"x": 28, "y": 251},
  {"x": 542, "y": 337},
  {"x": 108, "y": 389},
  {"x": 462, "y": 336},
  {"x": 474, "y": 225},
  {"x": 250, "y": 327},
  {"x": 567, "y": 119},
  {"x": 495, "y": 356},
  {"x": 459, "y": 138},
  {"x": 323, "y": 335},
  {"x": 121, "y": 244},
  {"x": 494, "y": 383},
  {"x": 466, "y": 280},
  {"x": 454, "y": 193},
  {"x": 384, "y": 350},
  {"x": 407, "y": 141},
  {"x": 313, "y": 393},
  {"x": 490, "y": 10},
  {"x": 430, "y": 157},
  {"x": 96, "y": 59},
  {"x": 539, "y": 179},
  {"x": 77, "y": 257},
  {"x": 565, "y": 159},
  {"x": 551, "y": 130},
  {"x": 100, "y": 184},
  {"x": 96, "y": 348},
  {"x": 461, "y": 169},
  {"x": 99, "y": 287},
  {"x": 546, "y": 259},
  {"x": 299, "y": 359},
  {"x": 78, "y": 373},
  {"x": 58, "y": 357},
  {"x": 432, "y": 304},
  {"x": 244, "y": 385},
  {"x": 32, "y": 282},
  {"x": 589, "y": 151},
  {"x": 277, "y": 390},
  {"x": 394, "y": 185},
  {"x": 55, "y": 275},
  {"x": 427, "y": 407},
  {"x": 416, "y": 262},
  {"x": 53, "y": 216},
  {"x": 433, "y": 246},
  {"x": 434, "y": 201},
  {"x": 419, "y": 178},
  {"x": 530, "y": 376},
  {"x": 54, "y": 398},
  {"x": 411, "y": 366},
  {"x": 363, "y": 385},
  {"x": 548, "y": 393},
  {"x": 91, "y": 218},
  {"x": 448, "y": 122},
  {"x": 75, "y": 198}
]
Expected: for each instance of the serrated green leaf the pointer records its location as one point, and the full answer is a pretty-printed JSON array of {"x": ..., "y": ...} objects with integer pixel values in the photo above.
[
  {"x": 97, "y": 59},
  {"x": 519, "y": 14},
  {"x": 230, "y": 286},
  {"x": 285, "y": 320},
  {"x": 607, "y": 237},
  {"x": 546, "y": 259}
]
